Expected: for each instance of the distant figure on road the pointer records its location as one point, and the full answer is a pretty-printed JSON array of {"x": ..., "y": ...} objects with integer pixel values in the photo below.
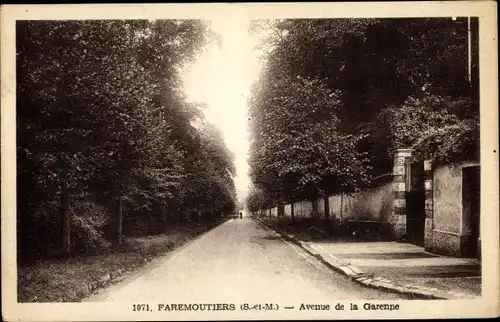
[{"x": 241, "y": 215}]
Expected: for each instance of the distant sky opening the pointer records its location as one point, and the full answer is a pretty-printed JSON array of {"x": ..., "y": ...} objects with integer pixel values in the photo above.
[{"x": 222, "y": 77}]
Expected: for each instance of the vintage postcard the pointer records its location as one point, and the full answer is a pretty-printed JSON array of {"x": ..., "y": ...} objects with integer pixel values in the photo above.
[{"x": 280, "y": 161}]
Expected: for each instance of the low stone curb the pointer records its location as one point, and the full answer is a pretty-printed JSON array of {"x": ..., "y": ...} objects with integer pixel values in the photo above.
[
  {"x": 358, "y": 276},
  {"x": 89, "y": 288}
]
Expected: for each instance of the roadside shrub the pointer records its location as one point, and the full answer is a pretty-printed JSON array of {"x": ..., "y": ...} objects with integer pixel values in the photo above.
[
  {"x": 444, "y": 129},
  {"x": 88, "y": 221}
]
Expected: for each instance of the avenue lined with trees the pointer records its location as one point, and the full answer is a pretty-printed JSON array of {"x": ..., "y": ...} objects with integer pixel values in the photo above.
[
  {"x": 337, "y": 96},
  {"x": 117, "y": 166},
  {"x": 108, "y": 145}
]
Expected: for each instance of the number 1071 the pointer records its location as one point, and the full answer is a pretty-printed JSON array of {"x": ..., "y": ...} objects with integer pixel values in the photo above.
[{"x": 140, "y": 307}]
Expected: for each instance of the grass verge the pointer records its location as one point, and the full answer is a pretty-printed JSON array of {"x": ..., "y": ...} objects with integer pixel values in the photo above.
[
  {"x": 317, "y": 229},
  {"x": 72, "y": 279},
  {"x": 303, "y": 228}
]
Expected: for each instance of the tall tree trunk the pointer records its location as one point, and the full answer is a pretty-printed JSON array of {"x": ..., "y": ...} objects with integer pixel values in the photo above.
[
  {"x": 119, "y": 231},
  {"x": 327, "y": 205},
  {"x": 292, "y": 214},
  {"x": 66, "y": 221},
  {"x": 164, "y": 216},
  {"x": 314, "y": 204},
  {"x": 281, "y": 209},
  {"x": 341, "y": 206},
  {"x": 146, "y": 224},
  {"x": 270, "y": 210}
]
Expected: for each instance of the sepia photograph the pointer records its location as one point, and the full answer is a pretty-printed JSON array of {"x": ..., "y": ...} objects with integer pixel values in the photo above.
[{"x": 245, "y": 167}]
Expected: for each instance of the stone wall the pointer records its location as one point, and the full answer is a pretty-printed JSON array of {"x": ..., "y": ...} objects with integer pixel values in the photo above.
[
  {"x": 373, "y": 204},
  {"x": 448, "y": 199},
  {"x": 449, "y": 229},
  {"x": 303, "y": 209}
]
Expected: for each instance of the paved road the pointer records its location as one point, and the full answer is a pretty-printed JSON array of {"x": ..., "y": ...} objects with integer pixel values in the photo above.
[{"x": 237, "y": 261}]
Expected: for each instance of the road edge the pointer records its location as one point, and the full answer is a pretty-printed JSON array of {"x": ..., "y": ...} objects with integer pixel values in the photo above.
[
  {"x": 117, "y": 276},
  {"x": 358, "y": 276}
]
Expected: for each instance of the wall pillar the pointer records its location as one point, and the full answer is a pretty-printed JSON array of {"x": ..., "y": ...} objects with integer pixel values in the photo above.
[
  {"x": 398, "y": 221},
  {"x": 429, "y": 204}
]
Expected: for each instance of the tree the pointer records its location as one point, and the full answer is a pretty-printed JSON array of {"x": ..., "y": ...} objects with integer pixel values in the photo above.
[
  {"x": 336, "y": 93},
  {"x": 432, "y": 126},
  {"x": 101, "y": 116},
  {"x": 297, "y": 146},
  {"x": 375, "y": 64},
  {"x": 256, "y": 200}
]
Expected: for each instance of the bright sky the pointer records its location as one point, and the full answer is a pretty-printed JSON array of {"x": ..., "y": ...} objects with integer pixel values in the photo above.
[{"x": 222, "y": 77}]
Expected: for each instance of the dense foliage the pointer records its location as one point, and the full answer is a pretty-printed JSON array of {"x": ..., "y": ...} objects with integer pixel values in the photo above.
[
  {"x": 304, "y": 147},
  {"x": 337, "y": 96},
  {"x": 101, "y": 115}
]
